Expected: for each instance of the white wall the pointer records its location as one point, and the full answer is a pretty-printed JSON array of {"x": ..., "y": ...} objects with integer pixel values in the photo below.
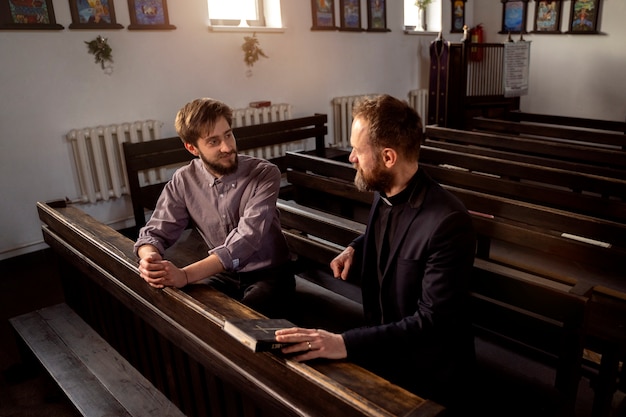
[
  {"x": 571, "y": 75},
  {"x": 50, "y": 85}
]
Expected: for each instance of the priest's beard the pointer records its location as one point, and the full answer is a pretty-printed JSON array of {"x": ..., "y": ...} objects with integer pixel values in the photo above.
[{"x": 376, "y": 180}]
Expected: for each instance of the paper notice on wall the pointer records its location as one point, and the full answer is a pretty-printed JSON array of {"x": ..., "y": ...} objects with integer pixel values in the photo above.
[{"x": 516, "y": 64}]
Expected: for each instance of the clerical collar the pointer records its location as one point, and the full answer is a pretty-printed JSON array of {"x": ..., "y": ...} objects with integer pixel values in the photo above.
[{"x": 403, "y": 196}]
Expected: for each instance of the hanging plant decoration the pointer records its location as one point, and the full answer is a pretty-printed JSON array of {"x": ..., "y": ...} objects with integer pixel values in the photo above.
[
  {"x": 422, "y": 4},
  {"x": 252, "y": 52},
  {"x": 102, "y": 52}
]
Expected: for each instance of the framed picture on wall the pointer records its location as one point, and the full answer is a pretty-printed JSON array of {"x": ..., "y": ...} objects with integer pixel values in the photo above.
[
  {"x": 28, "y": 15},
  {"x": 93, "y": 14},
  {"x": 377, "y": 16},
  {"x": 584, "y": 16},
  {"x": 514, "y": 16},
  {"x": 149, "y": 15},
  {"x": 547, "y": 16},
  {"x": 350, "y": 15},
  {"x": 458, "y": 16},
  {"x": 323, "y": 12}
]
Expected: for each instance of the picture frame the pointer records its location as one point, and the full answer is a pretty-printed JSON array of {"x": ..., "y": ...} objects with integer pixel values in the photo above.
[
  {"x": 458, "y": 16},
  {"x": 93, "y": 14},
  {"x": 350, "y": 15},
  {"x": 548, "y": 16},
  {"x": 514, "y": 16},
  {"x": 323, "y": 12},
  {"x": 584, "y": 17},
  {"x": 27, "y": 15},
  {"x": 149, "y": 15},
  {"x": 377, "y": 16}
]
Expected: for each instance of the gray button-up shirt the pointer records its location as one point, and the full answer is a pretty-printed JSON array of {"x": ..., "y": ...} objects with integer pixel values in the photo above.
[{"x": 236, "y": 214}]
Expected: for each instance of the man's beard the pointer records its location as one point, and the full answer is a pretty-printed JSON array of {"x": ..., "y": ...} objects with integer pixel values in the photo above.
[
  {"x": 219, "y": 167},
  {"x": 377, "y": 180}
]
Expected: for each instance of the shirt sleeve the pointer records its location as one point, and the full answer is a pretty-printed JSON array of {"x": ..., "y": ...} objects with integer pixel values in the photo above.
[
  {"x": 256, "y": 231},
  {"x": 168, "y": 221}
]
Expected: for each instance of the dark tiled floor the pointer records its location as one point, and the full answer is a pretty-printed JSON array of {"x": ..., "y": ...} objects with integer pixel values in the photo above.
[{"x": 31, "y": 281}]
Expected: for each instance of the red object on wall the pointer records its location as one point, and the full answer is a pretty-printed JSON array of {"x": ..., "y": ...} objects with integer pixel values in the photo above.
[{"x": 476, "y": 36}]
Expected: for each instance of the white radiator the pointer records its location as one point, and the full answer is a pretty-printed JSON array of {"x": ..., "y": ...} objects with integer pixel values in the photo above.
[
  {"x": 257, "y": 115},
  {"x": 342, "y": 118},
  {"x": 418, "y": 99},
  {"x": 99, "y": 158}
]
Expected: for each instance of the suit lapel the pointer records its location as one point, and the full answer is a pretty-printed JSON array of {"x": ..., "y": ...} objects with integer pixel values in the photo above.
[{"x": 408, "y": 215}]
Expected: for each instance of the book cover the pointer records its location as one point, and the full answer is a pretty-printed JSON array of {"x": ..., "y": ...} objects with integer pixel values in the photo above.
[{"x": 257, "y": 334}]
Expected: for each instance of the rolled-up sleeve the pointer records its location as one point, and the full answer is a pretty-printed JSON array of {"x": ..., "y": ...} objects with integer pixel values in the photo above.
[{"x": 252, "y": 243}]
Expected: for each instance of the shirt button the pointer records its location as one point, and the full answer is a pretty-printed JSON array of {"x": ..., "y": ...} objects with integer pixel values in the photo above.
[{"x": 221, "y": 195}]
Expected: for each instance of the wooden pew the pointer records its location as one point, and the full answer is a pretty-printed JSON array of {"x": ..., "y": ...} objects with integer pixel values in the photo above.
[
  {"x": 587, "y": 194},
  {"x": 314, "y": 178},
  {"x": 554, "y": 244},
  {"x": 316, "y": 236},
  {"x": 559, "y": 154},
  {"x": 533, "y": 312},
  {"x": 169, "y": 152},
  {"x": 585, "y": 137},
  {"x": 332, "y": 178},
  {"x": 343, "y": 187},
  {"x": 512, "y": 155},
  {"x": 597, "y": 124},
  {"x": 608, "y": 305},
  {"x": 175, "y": 338}
]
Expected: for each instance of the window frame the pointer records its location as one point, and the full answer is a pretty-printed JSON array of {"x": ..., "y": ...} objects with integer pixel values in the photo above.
[{"x": 263, "y": 7}]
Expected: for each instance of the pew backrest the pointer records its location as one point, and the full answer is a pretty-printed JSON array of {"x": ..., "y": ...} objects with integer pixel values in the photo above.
[
  {"x": 594, "y": 156},
  {"x": 582, "y": 193},
  {"x": 554, "y": 131},
  {"x": 528, "y": 158},
  {"x": 314, "y": 179},
  {"x": 598, "y": 124}
]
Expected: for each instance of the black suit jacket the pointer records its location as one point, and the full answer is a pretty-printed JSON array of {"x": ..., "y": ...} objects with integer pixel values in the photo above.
[{"x": 419, "y": 324}]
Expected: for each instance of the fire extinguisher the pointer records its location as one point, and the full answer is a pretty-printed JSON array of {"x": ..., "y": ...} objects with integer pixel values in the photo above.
[{"x": 476, "y": 36}]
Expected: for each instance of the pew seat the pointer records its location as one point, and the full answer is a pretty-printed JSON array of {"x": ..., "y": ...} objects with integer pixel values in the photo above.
[{"x": 94, "y": 376}]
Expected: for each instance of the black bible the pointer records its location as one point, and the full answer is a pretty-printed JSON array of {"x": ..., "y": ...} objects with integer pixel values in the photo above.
[{"x": 257, "y": 334}]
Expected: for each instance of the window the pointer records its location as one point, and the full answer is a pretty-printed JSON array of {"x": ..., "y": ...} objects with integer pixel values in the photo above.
[
  {"x": 245, "y": 13},
  {"x": 433, "y": 15}
]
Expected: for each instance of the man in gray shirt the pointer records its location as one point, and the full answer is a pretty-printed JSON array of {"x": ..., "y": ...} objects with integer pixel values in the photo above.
[{"x": 231, "y": 200}]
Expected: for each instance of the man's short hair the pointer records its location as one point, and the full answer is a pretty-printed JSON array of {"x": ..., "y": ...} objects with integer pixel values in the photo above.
[
  {"x": 392, "y": 124},
  {"x": 198, "y": 118}
]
